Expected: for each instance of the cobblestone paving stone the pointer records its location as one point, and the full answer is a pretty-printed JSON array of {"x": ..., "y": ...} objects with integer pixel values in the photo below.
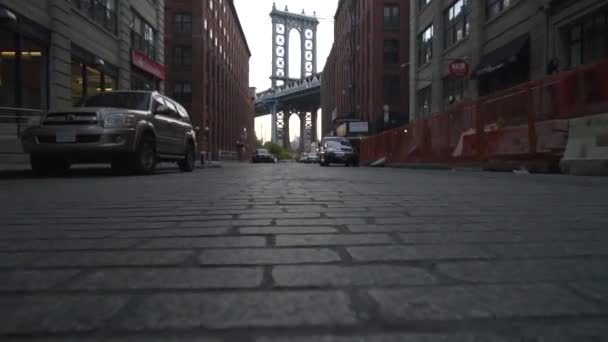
[{"x": 295, "y": 253}]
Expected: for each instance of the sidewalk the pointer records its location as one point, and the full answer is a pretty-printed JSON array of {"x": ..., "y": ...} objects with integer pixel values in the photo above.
[{"x": 14, "y": 162}]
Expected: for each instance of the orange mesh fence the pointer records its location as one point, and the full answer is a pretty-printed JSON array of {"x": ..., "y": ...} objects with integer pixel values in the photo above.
[{"x": 525, "y": 120}]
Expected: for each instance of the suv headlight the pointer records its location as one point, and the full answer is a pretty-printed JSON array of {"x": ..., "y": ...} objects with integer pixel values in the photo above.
[{"x": 119, "y": 120}]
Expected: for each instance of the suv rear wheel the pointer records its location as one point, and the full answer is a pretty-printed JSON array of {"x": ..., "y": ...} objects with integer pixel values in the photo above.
[{"x": 188, "y": 163}]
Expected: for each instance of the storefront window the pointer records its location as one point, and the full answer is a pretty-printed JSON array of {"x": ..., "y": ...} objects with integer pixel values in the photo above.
[
  {"x": 453, "y": 89},
  {"x": 93, "y": 81},
  {"x": 109, "y": 83},
  {"x": 23, "y": 72},
  {"x": 8, "y": 58},
  {"x": 88, "y": 81},
  {"x": 424, "y": 100},
  {"x": 33, "y": 75},
  {"x": 142, "y": 81},
  {"x": 77, "y": 82}
]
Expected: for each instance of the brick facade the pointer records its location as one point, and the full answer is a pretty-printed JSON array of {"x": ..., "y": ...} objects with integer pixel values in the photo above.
[
  {"x": 363, "y": 72},
  {"x": 218, "y": 73},
  {"x": 328, "y": 96}
]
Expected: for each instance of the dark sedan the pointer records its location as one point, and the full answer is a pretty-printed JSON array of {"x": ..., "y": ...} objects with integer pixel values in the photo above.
[
  {"x": 336, "y": 150},
  {"x": 263, "y": 156}
]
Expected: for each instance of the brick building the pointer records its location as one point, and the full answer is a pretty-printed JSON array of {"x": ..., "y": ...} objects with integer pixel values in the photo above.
[
  {"x": 505, "y": 43},
  {"x": 328, "y": 96},
  {"x": 208, "y": 72},
  {"x": 371, "y": 43}
]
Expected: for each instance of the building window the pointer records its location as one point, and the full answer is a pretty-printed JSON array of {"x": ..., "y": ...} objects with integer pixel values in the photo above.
[
  {"x": 103, "y": 12},
  {"x": 391, "y": 90},
  {"x": 143, "y": 81},
  {"x": 453, "y": 89},
  {"x": 424, "y": 98},
  {"x": 425, "y": 46},
  {"x": 143, "y": 36},
  {"x": 182, "y": 57},
  {"x": 422, "y": 4},
  {"x": 182, "y": 92},
  {"x": 23, "y": 72},
  {"x": 391, "y": 17},
  {"x": 183, "y": 23},
  {"x": 495, "y": 7},
  {"x": 87, "y": 80},
  {"x": 587, "y": 39},
  {"x": 391, "y": 51},
  {"x": 456, "y": 22}
]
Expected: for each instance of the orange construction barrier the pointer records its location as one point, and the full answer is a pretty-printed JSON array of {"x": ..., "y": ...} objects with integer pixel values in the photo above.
[{"x": 527, "y": 122}]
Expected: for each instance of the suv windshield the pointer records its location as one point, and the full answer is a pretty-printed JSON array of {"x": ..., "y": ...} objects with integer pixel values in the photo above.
[
  {"x": 262, "y": 151},
  {"x": 134, "y": 101}
]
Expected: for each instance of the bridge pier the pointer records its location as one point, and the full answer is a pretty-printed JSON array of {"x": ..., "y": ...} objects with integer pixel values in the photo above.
[
  {"x": 302, "y": 144},
  {"x": 282, "y": 128},
  {"x": 285, "y": 138},
  {"x": 273, "y": 112},
  {"x": 313, "y": 135}
]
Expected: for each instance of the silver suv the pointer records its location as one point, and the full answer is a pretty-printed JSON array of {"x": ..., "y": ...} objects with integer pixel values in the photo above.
[{"x": 132, "y": 130}]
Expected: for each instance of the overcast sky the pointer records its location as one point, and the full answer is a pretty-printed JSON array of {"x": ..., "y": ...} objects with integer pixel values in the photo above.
[{"x": 255, "y": 19}]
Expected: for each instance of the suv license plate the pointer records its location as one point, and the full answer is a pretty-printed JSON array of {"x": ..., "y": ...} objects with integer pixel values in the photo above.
[{"x": 65, "y": 137}]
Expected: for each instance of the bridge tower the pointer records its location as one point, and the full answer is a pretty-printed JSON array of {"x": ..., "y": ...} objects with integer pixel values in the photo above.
[{"x": 283, "y": 22}]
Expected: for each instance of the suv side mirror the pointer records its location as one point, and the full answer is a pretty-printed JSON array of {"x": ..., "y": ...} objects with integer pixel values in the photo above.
[{"x": 163, "y": 110}]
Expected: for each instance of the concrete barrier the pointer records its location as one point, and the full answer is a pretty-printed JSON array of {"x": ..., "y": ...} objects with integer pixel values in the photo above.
[{"x": 587, "y": 149}]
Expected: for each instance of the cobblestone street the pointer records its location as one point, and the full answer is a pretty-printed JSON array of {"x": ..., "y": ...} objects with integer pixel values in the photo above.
[{"x": 293, "y": 252}]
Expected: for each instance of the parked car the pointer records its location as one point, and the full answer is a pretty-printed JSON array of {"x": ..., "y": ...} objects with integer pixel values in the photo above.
[
  {"x": 313, "y": 158},
  {"x": 337, "y": 150},
  {"x": 303, "y": 158},
  {"x": 132, "y": 130},
  {"x": 263, "y": 156}
]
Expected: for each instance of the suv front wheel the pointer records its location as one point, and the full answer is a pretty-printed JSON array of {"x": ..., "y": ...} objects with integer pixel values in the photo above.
[
  {"x": 188, "y": 163},
  {"x": 144, "y": 161}
]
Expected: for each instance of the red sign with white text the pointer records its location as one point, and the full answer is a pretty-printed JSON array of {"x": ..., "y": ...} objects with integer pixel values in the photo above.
[
  {"x": 140, "y": 60},
  {"x": 459, "y": 68}
]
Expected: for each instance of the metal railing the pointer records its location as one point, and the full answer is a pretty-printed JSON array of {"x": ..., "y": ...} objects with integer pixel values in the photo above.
[{"x": 13, "y": 121}]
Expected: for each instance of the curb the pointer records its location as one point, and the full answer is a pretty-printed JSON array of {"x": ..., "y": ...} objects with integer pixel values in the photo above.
[{"x": 440, "y": 167}]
